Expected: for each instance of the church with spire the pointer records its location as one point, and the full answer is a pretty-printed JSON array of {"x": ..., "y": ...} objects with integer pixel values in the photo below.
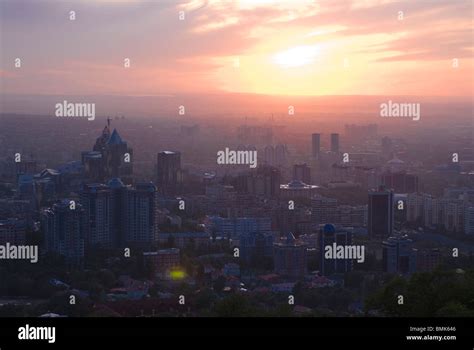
[{"x": 110, "y": 158}]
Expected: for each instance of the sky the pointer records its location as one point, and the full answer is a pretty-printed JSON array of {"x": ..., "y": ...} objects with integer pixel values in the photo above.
[{"x": 298, "y": 47}]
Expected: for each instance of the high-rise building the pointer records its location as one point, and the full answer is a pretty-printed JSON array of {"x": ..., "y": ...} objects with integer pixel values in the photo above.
[
  {"x": 347, "y": 215},
  {"x": 328, "y": 236},
  {"x": 142, "y": 215},
  {"x": 97, "y": 203},
  {"x": 265, "y": 181},
  {"x": 323, "y": 210},
  {"x": 119, "y": 215},
  {"x": 335, "y": 143},
  {"x": 255, "y": 246},
  {"x": 400, "y": 182},
  {"x": 381, "y": 211},
  {"x": 289, "y": 257},
  {"x": 281, "y": 155},
  {"x": 387, "y": 146},
  {"x": 302, "y": 172},
  {"x": 464, "y": 193},
  {"x": 168, "y": 171},
  {"x": 398, "y": 255},
  {"x": 12, "y": 231},
  {"x": 451, "y": 214},
  {"x": 18, "y": 208},
  {"x": 316, "y": 145},
  {"x": 416, "y": 204},
  {"x": 63, "y": 226},
  {"x": 446, "y": 213},
  {"x": 110, "y": 158},
  {"x": 107, "y": 216},
  {"x": 118, "y": 158},
  {"x": 428, "y": 259},
  {"x": 469, "y": 221},
  {"x": 92, "y": 162}
]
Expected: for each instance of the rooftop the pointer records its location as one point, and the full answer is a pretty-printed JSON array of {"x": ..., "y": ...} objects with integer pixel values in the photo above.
[{"x": 115, "y": 138}]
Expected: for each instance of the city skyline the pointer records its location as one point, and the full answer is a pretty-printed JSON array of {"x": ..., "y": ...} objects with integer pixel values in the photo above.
[{"x": 303, "y": 162}]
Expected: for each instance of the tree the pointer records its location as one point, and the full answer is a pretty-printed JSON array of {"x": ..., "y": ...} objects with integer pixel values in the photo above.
[
  {"x": 454, "y": 309},
  {"x": 353, "y": 279},
  {"x": 386, "y": 299},
  {"x": 235, "y": 306},
  {"x": 219, "y": 284},
  {"x": 107, "y": 278},
  {"x": 205, "y": 299},
  {"x": 430, "y": 294}
]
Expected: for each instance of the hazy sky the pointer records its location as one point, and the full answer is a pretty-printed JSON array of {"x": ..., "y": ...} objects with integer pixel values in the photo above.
[{"x": 272, "y": 47}]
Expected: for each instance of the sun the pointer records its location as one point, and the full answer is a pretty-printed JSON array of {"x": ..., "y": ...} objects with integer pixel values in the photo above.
[{"x": 296, "y": 56}]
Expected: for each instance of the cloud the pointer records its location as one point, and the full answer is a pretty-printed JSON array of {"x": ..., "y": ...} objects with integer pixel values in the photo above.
[{"x": 199, "y": 51}]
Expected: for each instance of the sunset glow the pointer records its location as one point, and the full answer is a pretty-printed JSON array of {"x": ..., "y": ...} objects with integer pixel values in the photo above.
[
  {"x": 297, "y": 56},
  {"x": 282, "y": 47}
]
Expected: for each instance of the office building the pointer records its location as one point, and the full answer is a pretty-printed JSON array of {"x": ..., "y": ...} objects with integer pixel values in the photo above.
[
  {"x": 119, "y": 215},
  {"x": 142, "y": 215},
  {"x": 315, "y": 145},
  {"x": 302, "y": 172},
  {"x": 290, "y": 258},
  {"x": 168, "y": 172},
  {"x": 110, "y": 158},
  {"x": 354, "y": 216},
  {"x": 163, "y": 260},
  {"x": 400, "y": 182},
  {"x": 323, "y": 210},
  {"x": 12, "y": 231},
  {"x": 255, "y": 246},
  {"x": 63, "y": 226},
  {"x": 428, "y": 259},
  {"x": 469, "y": 221},
  {"x": 335, "y": 143},
  {"x": 398, "y": 255},
  {"x": 263, "y": 182},
  {"x": 328, "y": 236},
  {"x": 380, "y": 213},
  {"x": 97, "y": 201}
]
